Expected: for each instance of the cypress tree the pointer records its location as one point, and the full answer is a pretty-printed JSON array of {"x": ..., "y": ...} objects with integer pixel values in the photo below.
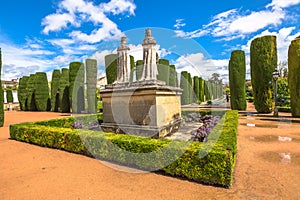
[
  {"x": 76, "y": 78},
  {"x": 173, "y": 76},
  {"x": 237, "y": 78},
  {"x": 184, "y": 82},
  {"x": 41, "y": 91},
  {"x": 207, "y": 90},
  {"x": 22, "y": 92},
  {"x": 64, "y": 91},
  {"x": 132, "y": 66},
  {"x": 190, "y": 88},
  {"x": 293, "y": 76},
  {"x": 31, "y": 105},
  {"x": 201, "y": 89},
  {"x": 139, "y": 69},
  {"x": 55, "y": 102},
  {"x": 1, "y": 95},
  {"x": 9, "y": 96},
  {"x": 196, "y": 89},
  {"x": 91, "y": 82},
  {"x": 263, "y": 60},
  {"x": 163, "y": 68},
  {"x": 111, "y": 66}
]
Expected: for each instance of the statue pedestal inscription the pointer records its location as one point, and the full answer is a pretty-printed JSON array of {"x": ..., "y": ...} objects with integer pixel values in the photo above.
[{"x": 146, "y": 107}]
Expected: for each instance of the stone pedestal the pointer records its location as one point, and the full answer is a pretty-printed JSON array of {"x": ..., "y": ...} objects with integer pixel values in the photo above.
[{"x": 146, "y": 108}]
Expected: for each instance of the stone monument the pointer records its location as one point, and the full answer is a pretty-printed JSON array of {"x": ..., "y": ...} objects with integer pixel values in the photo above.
[{"x": 146, "y": 107}]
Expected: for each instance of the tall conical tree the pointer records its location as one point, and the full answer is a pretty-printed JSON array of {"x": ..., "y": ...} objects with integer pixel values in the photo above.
[
  {"x": 237, "y": 79},
  {"x": 22, "y": 92},
  {"x": 184, "y": 82},
  {"x": 293, "y": 76},
  {"x": 263, "y": 60},
  {"x": 64, "y": 91},
  {"x": 196, "y": 89},
  {"x": 55, "y": 102},
  {"x": 41, "y": 91},
  {"x": 31, "y": 105},
  {"x": 9, "y": 96},
  {"x": 76, "y": 78},
  {"x": 1, "y": 95},
  {"x": 91, "y": 82}
]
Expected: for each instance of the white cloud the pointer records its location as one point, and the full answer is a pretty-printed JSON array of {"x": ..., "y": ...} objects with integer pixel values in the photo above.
[
  {"x": 179, "y": 24},
  {"x": 282, "y": 3},
  {"x": 75, "y": 12}
]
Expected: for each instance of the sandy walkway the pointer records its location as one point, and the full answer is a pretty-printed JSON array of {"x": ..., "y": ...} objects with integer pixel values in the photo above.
[{"x": 266, "y": 169}]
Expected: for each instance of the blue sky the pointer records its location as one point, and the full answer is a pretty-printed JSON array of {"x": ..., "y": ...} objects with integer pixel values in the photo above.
[{"x": 195, "y": 36}]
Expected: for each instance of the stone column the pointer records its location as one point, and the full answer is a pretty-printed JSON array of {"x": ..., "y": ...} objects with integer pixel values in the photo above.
[
  {"x": 149, "y": 57},
  {"x": 123, "y": 70}
]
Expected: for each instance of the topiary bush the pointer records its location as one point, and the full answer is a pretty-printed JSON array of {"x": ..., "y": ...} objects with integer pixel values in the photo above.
[
  {"x": 64, "y": 91},
  {"x": 201, "y": 89},
  {"x": 237, "y": 78},
  {"x": 22, "y": 92},
  {"x": 41, "y": 91},
  {"x": 111, "y": 66},
  {"x": 293, "y": 76},
  {"x": 139, "y": 69},
  {"x": 31, "y": 104},
  {"x": 9, "y": 96},
  {"x": 184, "y": 85},
  {"x": 190, "y": 88},
  {"x": 263, "y": 60},
  {"x": 132, "y": 66},
  {"x": 91, "y": 82},
  {"x": 1, "y": 95},
  {"x": 173, "y": 76},
  {"x": 76, "y": 79},
  {"x": 196, "y": 90},
  {"x": 55, "y": 101},
  {"x": 163, "y": 68}
]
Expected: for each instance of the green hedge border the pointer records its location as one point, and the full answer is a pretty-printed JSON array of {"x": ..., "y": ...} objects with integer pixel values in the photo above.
[{"x": 216, "y": 168}]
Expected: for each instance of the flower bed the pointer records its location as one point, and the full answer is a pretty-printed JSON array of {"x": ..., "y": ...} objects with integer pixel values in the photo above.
[{"x": 211, "y": 162}]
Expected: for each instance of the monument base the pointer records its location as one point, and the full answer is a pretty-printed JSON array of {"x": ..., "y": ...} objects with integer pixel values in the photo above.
[{"x": 147, "y": 108}]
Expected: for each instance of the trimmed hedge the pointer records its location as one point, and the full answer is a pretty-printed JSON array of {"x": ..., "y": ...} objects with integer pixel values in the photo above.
[
  {"x": 22, "y": 92},
  {"x": 201, "y": 89},
  {"x": 132, "y": 66},
  {"x": 184, "y": 85},
  {"x": 111, "y": 66},
  {"x": 76, "y": 80},
  {"x": 196, "y": 90},
  {"x": 41, "y": 91},
  {"x": 163, "y": 68},
  {"x": 1, "y": 95},
  {"x": 64, "y": 91},
  {"x": 139, "y": 69},
  {"x": 263, "y": 60},
  {"x": 9, "y": 96},
  {"x": 293, "y": 76},
  {"x": 55, "y": 102},
  {"x": 173, "y": 76},
  {"x": 211, "y": 163},
  {"x": 31, "y": 105},
  {"x": 91, "y": 82},
  {"x": 237, "y": 78}
]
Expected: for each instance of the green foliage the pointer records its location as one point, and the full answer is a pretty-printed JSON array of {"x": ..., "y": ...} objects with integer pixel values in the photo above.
[
  {"x": 132, "y": 66},
  {"x": 201, "y": 89},
  {"x": 55, "y": 102},
  {"x": 9, "y": 96},
  {"x": 64, "y": 91},
  {"x": 22, "y": 92},
  {"x": 207, "y": 90},
  {"x": 190, "y": 87},
  {"x": 184, "y": 85},
  {"x": 1, "y": 95},
  {"x": 283, "y": 93},
  {"x": 41, "y": 91},
  {"x": 263, "y": 60},
  {"x": 76, "y": 79},
  {"x": 31, "y": 104},
  {"x": 111, "y": 66},
  {"x": 293, "y": 76},
  {"x": 139, "y": 69},
  {"x": 163, "y": 68},
  {"x": 212, "y": 163},
  {"x": 237, "y": 77},
  {"x": 91, "y": 81},
  {"x": 173, "y": 76},
  {"x": 197, "y": 89}
]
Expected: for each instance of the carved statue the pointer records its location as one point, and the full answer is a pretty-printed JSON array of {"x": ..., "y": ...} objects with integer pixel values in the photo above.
[
  {"x": 123, "y": 70},
  {"x": 149, "y": 57}
]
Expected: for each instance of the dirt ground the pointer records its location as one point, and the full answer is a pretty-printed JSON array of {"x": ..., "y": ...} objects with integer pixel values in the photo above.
[{"x": 268, "y": 167}]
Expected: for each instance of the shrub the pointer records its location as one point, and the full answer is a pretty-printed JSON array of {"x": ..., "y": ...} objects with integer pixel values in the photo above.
[
  {"x": 9, "y": 96},
  {"x": 55, "y": 102},
  {"x": 201, "y": 89},
  {"x": 132, "y": 66},
  {"x": 163, "y": 68},
  {"x": 263, "y": 60},
  {"x": 207, "y": 90},
  {"x": 293, "y": 76},
  {"x": 31, "y": 104},
  {"x": 22, "y": 92},
  {"x": 212, "y": 163},
  {"x": 139, "y": 69},
  {"x": 76, "y": 80},
  {"x": 1, "y": 95},
  {"x": 111, "y": 66},
  {"x": 190, "y": 88},
  {"x": 184, "y": 85},
  {"x": 196, "y": 89},
  {"x": 41, "y": 91},
  {"x": 64, "y": 91},
  {"x": 237, "y": 77},
  {"x": 91, "y": 82}
]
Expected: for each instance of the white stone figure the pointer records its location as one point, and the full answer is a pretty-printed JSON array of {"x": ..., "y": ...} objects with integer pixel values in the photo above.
[
  {"x": 123, "y": 70},
  {"x": 149, "y": 71}
]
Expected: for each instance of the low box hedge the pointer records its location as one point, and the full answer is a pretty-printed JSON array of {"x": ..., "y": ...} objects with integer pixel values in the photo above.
[{"x": 210, "y": 163}]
